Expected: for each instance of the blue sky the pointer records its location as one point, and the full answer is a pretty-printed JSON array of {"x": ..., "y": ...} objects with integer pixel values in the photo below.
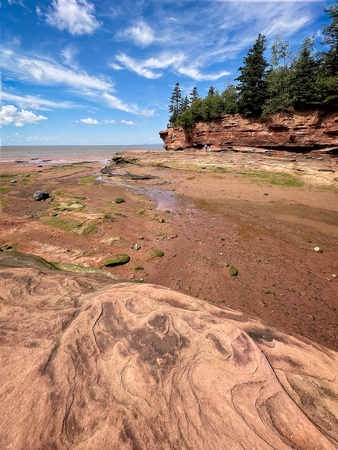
[{"x": 102, "y": 72}]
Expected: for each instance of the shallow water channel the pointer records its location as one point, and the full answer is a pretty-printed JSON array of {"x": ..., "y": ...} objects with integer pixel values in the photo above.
[{"x": 165, "y": 200}]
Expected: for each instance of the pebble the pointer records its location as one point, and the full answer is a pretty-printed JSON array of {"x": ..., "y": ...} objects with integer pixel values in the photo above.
[{"x": 318, "y": 250}]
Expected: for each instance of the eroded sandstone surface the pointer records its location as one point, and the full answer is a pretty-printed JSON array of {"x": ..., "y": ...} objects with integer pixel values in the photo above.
[
  {"x": 302, "y": 130},
  {"x": 86, "y": 363}
]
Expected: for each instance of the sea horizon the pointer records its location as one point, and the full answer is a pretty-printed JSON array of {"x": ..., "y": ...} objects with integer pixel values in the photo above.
[{"x": 67, "y": 153}]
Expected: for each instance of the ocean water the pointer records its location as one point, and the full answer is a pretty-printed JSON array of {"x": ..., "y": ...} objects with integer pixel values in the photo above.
[{"x": 50, "y": 154}]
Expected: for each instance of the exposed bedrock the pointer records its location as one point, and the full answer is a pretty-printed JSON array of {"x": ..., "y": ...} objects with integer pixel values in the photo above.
[
  {"x": 90, "y": 364},
  {"x": 295, "y": 132}
]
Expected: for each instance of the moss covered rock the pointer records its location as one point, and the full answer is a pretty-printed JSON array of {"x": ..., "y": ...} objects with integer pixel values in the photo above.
[
  {"x": 116, "y": 260},
  {"x": 233, "y": 271}
]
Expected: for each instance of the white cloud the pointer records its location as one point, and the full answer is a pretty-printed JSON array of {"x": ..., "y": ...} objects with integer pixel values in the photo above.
[
  {"x": 35, "y": 102},
  {"x": 130, "y": 123},
  {"x": 44, "y": 72},
  {"x": 114, "y": 102},
  {"x": 90, "y": 121},
  {"x": 148, "y": 112},
  {"x": 68, "y": 55},
  {"x": 140, "y": 33},
  {"x": 137, "y": 67},
  {"x": 109, "y": 121},
  {"x": 76, "y": 16},
  {"x": 177, "y": 62},
  {"x": 194, "y": 73},
  {"x": 10, "y": 115}
]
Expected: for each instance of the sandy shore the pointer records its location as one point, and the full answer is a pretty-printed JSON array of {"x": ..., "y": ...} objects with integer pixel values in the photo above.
[{"x": 262, "y": 214}]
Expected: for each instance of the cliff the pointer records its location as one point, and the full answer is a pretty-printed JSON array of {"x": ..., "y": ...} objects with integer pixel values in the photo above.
[{"x": 298, "y": 131}]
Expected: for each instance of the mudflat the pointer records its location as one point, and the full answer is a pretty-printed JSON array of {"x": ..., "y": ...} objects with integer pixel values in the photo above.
[{"x": 186, "y": 219}]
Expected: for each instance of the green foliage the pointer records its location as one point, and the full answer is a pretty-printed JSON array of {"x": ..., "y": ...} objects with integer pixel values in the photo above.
[
  {"x": 175, "y": 103},
  {"x": 252, "y": 88},
  {"x": 304, "y": 89},
  {"x": 194, "y": 95},
  {"x": 293, "y": 82}
]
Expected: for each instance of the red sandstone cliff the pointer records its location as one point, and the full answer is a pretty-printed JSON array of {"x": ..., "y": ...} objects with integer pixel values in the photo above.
[{"x": 313, "y": 130}]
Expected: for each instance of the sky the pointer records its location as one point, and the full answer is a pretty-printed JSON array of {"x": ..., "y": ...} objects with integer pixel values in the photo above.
[{"x": 101, "y": 72}]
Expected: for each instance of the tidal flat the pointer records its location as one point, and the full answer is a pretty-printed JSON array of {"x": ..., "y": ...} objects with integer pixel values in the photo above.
[{"x": 186, "y": 219}]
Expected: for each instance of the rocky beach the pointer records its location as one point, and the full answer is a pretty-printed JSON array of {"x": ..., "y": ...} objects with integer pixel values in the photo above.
[{"x": 156, "y": 277}]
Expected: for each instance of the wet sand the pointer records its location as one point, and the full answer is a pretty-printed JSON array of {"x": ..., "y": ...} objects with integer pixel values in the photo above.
[{"x": 262, "y": 214}]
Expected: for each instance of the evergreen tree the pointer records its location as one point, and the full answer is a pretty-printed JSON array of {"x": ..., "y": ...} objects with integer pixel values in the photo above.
[
  {"x": 175, "y": 103},
  {"x": 330, "y": 33},
  {"x": 328, "y": 72},
  {"x": 230, "y": 98},
  {"x": 185, "y": 104},
  {"x": 252, "y": 87},
  {"x": 278, "y": 79},
  {"x": 304, "y": 87},
  {"x": 194, "y": 95},
  {"x": 211, "y": 92}
]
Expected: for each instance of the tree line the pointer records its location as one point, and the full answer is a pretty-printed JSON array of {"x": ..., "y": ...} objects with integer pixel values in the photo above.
[{"x": 288, "y": 82}]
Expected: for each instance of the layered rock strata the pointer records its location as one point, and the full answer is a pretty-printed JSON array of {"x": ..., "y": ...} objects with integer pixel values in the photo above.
[
  {"x": 87, "y": 364},
  {"x": 299, "y": 131}
]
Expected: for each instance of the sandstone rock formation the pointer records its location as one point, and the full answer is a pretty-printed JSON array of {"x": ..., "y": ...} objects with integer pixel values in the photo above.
[
  {"x": 88, "y": 364},
  {"x": 307, "y": 130}
]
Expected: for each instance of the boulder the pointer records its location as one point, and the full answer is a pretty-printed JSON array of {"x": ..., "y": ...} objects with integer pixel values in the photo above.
[
  {"x": 88, "y": 364},
  {"x": 40, "y": 195},
  {"x": 116, "y": 260}
]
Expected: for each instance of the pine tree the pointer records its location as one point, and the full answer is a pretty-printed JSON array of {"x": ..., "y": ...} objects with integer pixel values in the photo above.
[
  {"x": 328, "y": 71},
  {"x": 252, "y": 87},
  {"x": 194, "y": 95},
  {"x": 304, "y": 87},
  {"x": 330, "y": 33},
  {"x": 175, "y": 106},
  {"x": 211, "y": 92},
  {"x": 278, "y": 79},
  {"x": 185, "y": 104}
]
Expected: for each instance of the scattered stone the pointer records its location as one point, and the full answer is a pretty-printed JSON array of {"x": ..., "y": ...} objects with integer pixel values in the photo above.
[
  {"x": 318, "y": 250},
  {"x": 266, "y": 291},
  {"x": 14, "y": 181},
  {"x": 311, "y": 317},
  {"x": 233, "y": 271},
  {"x": 154, "y": 253},
  {"x": 116, "y": 260},
  {"x": 40, "y": 195},
  {"x": 137, "y": 247},
  {"x": 119, "y": 200},
  {"x": 334, "y": 275}
]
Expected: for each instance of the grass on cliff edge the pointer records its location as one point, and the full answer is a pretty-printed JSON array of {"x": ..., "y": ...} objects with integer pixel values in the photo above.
[{"x": 272, "y": 178}]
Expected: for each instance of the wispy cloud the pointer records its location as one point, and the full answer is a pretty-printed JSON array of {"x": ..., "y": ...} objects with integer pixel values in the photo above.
[
  {"x": 176, "y": 62},
  {"x": 140, "y": 33},
  {"x": 43, "y": 72},
  {"x": 75, "y": 16},
  {"x": 68, "y": 55},
  {"x": 89, "y": 121},
  {"x": 130, "y": 122},
  {"x": 10, "y": 115},
  {"x": 34, "y": 102}
]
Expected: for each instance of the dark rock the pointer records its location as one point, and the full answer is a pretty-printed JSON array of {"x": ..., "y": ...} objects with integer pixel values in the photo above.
[{"x": 40, "y": 195}]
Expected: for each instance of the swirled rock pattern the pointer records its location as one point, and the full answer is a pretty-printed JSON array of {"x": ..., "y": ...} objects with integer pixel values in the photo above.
[{"x": 88, "y": 364}]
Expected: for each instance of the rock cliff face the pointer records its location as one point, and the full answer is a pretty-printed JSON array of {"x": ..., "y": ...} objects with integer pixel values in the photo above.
[
  {"x": 299, "y": 131},
  {"x": 87, "y": 364}
]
